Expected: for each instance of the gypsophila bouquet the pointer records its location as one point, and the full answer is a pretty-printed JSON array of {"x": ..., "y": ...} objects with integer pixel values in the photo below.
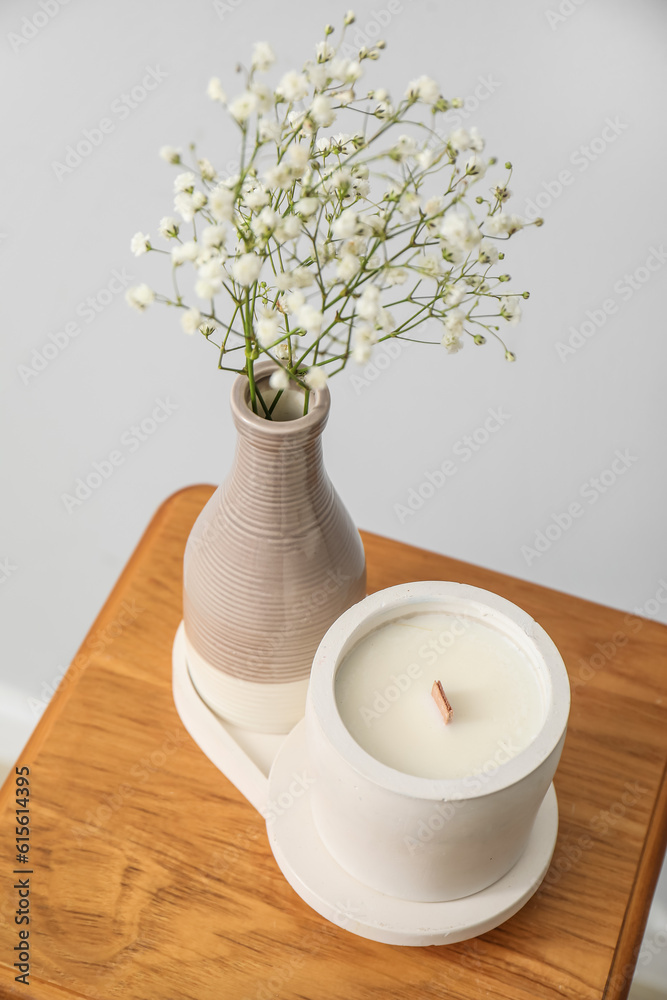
[{"x": 322, "y": 245}]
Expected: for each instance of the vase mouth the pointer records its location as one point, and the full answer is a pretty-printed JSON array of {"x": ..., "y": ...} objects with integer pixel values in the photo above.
[{"x": 315, "y": 419}]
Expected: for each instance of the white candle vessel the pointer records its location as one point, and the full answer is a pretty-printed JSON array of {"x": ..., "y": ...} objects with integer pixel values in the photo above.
[
  {"x": 383, "y": 690},
  {"x": 406, "y": 805}
]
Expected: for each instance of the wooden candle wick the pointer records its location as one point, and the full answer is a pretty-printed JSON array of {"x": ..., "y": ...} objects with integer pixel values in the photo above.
[{"x": 440, "y": 699}]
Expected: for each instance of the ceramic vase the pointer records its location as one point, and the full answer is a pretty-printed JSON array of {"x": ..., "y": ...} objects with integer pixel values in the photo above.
[{"x": 272, "y": 561}]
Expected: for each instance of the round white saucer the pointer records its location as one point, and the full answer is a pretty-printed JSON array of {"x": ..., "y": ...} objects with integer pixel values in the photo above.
[{"x": 328, "y": 889}]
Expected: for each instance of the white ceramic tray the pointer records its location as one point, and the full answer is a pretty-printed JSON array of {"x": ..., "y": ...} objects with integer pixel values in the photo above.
[
  {"x": 273, "y": 774},
  {"x": 243, "y": 756}
]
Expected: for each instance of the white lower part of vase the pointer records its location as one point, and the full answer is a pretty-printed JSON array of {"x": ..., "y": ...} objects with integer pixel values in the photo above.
[{"x": 264, "y": 708}]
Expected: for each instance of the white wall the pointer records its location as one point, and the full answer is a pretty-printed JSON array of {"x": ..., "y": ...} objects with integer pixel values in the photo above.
[{"x": 552, "y": 83}]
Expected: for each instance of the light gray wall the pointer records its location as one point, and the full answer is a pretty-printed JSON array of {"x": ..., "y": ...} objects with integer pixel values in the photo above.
[{"x": 551, "y": 75}]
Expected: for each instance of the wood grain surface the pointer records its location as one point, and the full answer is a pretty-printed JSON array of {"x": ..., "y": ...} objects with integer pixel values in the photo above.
[{"x": 152, "y": 877}]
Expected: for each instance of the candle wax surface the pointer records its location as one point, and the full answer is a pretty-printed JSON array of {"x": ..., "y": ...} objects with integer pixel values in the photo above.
[{"x": 383, "y": 693}]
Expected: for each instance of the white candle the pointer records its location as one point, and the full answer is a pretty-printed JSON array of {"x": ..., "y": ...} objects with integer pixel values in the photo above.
[
  {"x": 383, "y": 692},
  {"x": 397, "y": 803}
]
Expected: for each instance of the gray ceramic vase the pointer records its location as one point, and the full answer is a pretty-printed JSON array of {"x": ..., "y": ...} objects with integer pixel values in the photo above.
[{"x": 271, "y": 562}]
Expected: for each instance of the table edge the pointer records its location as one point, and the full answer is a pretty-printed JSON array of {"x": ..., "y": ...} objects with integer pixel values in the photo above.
[
  {"x": 637, "y": 910},
  {"x": 65, "y": 688}
]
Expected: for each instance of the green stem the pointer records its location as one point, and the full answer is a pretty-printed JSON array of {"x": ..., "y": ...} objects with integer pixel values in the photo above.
[
  {"x": 275, "y": 400},
  {"x": 247, "y": 333},
  {"x": 267, "y": 412},
  {"x": 251, "y": 383}
]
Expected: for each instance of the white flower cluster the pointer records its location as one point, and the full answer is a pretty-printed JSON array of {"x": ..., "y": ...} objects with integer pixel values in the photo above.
[{"x": 311, "y": 239}]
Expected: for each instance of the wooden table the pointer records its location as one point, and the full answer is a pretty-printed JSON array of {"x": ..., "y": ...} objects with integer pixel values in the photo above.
[{"x": 152, "y": 877}]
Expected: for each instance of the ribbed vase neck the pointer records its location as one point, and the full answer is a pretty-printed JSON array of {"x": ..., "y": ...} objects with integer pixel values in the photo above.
[
  {"x": 278, "y": 463},
  {"x": 261, "y": 434}
]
